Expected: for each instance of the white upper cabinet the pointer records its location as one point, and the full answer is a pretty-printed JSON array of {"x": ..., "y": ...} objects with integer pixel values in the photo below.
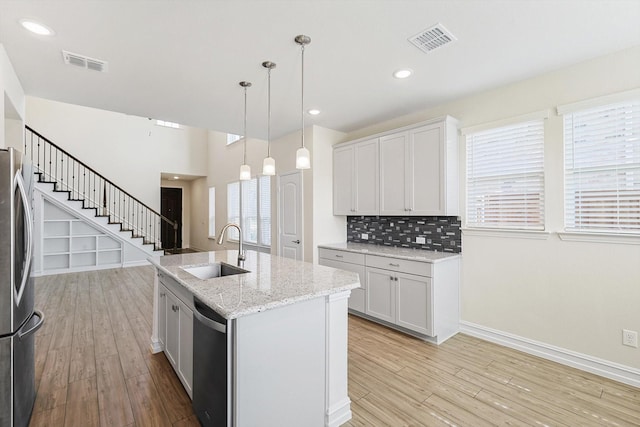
[
  {"x": 414, "y": 171},
  {"x": 419, "y": 171},
  {"x": 394, "y": 169},
  {"x": 355, "y": 179}
]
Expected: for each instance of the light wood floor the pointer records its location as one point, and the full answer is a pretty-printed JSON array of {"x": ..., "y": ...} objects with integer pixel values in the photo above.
[{"x": 94, "y": 368}]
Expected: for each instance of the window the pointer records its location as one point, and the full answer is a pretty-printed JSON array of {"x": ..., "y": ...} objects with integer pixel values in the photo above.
[
  {"x": 232, "y": 137},
  {"x": 249, "y": 204},
  {"x": 212, "y": 212},
  {"x": 233, "y": 208},
  {"x": 602, "y": 168},
  {"x": 505, "y": 177},
  {"x": 167, "y": 124}
]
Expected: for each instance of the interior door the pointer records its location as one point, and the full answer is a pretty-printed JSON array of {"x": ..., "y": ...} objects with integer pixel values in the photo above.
[
  {"x": 171, "y": 207},
  {"x": 290, "y": 216}
]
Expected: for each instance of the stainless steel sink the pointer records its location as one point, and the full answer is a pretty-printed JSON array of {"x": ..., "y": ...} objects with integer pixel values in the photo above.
[{"x": 210, "y": 271}]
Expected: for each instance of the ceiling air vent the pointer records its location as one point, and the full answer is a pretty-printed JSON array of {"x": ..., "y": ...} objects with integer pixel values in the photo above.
[
  {"x": 432, "y": 38},
  {"x": 84, "y": 61}
]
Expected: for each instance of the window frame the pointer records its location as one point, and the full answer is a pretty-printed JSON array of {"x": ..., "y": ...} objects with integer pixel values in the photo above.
[
  {"x": 212, "y": 212},
  {"x": 522, "y": 229},
  {"x": 575, "y": 216},
  {"x": 259, "y": 244}
]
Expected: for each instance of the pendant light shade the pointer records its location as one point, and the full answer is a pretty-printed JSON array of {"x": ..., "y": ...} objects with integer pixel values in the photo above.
[
  {"x": 245, "y": 169},
  {"x": 269, "y": 166},
  {"x": 303, "y": 157},
  {"x": 269, "y": 163}
]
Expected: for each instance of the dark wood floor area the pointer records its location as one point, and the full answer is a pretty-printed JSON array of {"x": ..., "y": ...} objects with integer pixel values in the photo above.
[{"x": 94, "y": 368}]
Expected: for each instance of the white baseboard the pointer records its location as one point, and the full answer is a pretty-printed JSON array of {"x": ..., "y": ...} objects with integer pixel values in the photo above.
[
  {"x": 139, "y": 263},
  {"x": 604, "y": 368},
  {"x": 339, "y": 413},
  {"x": 156, "y": 347}
]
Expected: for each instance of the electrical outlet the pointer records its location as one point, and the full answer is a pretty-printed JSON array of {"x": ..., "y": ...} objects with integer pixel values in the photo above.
[
  {"x": 364, "y": 236},
  {"x": 421, "y": 240},
  {"x": 630, "y": 338}
]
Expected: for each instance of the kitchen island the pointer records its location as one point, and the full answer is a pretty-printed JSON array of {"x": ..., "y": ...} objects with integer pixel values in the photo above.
[{"x": 286, "y": 335}]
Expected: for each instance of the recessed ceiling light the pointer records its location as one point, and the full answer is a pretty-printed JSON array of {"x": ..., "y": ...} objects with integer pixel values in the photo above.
[
  {"x": 402, "y": 73},
  {"x": 176, "y": 177},
  {"x": 36, "y": 27},
  {"x": 314, "y": 112}
]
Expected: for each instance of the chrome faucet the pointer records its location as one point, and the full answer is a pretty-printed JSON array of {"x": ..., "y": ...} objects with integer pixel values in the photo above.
[{"x": 241, "y": 256}]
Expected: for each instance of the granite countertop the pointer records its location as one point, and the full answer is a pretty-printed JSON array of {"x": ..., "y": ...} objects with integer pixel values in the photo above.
[
  {"x": 272, "y": 281},
  {"x": 391, "y": 251}
]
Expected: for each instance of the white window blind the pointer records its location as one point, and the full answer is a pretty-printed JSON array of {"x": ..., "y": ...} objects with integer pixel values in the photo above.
[
  {"x": 250, "y": 210},
  {"x": 212, "y": 211},
  {"x": 233, "y": 208},
  {"x": 505, "y": 177},
  {"x": 265, "y": 210},
  {"x": 249, "y": 205},
  {"x": 602, "y": 168}
]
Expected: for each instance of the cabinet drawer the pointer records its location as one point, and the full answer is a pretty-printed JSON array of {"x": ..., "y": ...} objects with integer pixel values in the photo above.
[
  {"x": 400, "y": 265},
  {"x": 344, "y": 256}
]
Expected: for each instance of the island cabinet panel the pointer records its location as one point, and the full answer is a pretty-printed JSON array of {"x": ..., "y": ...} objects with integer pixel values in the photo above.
[
  {"x": 175, "y": 329},
  {"x": 351, "y": 262},
  {"x": 267, "y": 376},
  {"x": 172, "y": 329},
  {"x": 355, "y": 179}
]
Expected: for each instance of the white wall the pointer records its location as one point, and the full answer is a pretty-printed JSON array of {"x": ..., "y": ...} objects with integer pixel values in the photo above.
[
  {"x": 131, "y": 151},
  {"x": 199, "y": 231},
  {"x": 327, "y": 228},
  {"x": 12, "y": 105},
  {"x": 574, "y": 295}
]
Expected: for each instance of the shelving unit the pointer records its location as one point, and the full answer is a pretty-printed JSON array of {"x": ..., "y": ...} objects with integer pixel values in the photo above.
[{"x": 71, "y": 243}]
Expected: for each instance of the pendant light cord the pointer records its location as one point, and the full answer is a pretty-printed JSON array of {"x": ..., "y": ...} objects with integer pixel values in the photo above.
[
  {"x": 269, "y": 118},
  {"x": 244, "y": 156},
  {"x": 302, "y": 96}
]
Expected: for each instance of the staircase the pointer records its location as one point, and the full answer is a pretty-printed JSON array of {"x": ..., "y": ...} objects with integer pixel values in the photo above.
[{"x": 86, "y": 195}]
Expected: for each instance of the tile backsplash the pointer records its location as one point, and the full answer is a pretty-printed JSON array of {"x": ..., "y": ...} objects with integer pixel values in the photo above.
[{"x": 440, "y": 233}]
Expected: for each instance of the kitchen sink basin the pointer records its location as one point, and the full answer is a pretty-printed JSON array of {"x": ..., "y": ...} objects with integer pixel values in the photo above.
[{"x": 210, "y": 271}]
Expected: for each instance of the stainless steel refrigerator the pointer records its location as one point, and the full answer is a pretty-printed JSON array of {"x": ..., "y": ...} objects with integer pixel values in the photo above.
[{"x": 18, "y": 318}]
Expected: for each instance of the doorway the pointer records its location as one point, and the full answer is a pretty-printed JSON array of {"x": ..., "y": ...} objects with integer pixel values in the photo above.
[
  {"x": 290, "y": 216},
  {"x": 171, "y": 207}
]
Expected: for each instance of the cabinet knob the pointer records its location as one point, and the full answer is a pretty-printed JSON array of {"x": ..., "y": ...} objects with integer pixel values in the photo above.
[
  {"x": 391, "y": 278},
  {"x": 162, "y": 294},
  {"x": 394, "y": 265}
]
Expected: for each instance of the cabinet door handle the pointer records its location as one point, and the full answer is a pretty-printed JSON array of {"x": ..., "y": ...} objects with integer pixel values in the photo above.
[
  {"x": 297, "y": 242},
  {"x": 391, "y": 278},
  {"x": 162, "y": 294},
  {"x": 395, "y": 278},
  {"x": 394, "y": 265},
  {"x": 339, "y": 256}
]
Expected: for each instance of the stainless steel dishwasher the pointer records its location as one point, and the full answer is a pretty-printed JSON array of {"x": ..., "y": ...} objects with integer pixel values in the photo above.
[{"x": 211, "y": 379}]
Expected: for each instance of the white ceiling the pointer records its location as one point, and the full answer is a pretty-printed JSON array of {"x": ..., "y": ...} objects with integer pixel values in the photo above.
[{"x": 182, "y": 60}]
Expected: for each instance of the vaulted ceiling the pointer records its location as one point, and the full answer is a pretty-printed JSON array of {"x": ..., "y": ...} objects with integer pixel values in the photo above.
[{"x": 182, "y": 60}]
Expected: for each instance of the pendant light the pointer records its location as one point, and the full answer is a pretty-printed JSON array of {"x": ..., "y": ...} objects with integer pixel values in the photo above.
[
  {"x": 245, "y": 170},
  {"x": 269, "y": 163},
  {"x": 303, "y": 158}
]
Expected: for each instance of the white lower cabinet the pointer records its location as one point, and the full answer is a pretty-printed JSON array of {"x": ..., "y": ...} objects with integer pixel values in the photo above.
[
  {"x": 380, "y": 295},
  {"x": 175, "y": 332},
  {"x": 413, "y": 303},
  {"x": 415, "y": 296},
  {"x": 403, "y": 299}
]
